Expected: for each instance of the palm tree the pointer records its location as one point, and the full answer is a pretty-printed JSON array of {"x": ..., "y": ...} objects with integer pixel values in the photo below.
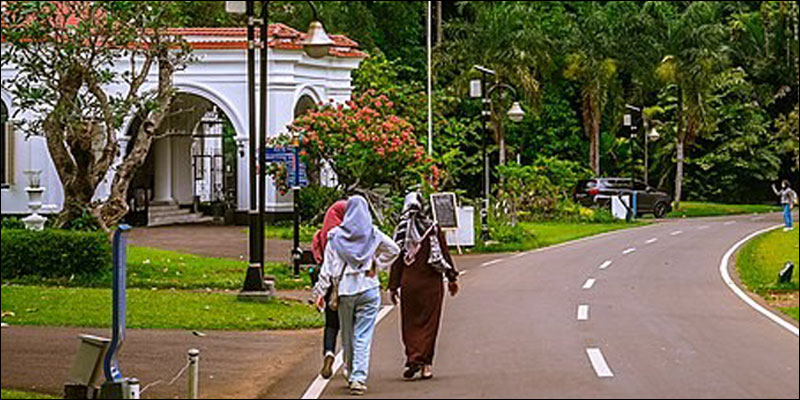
[
  {"x": 694, "y": 53},
  {"x": 505, "y": 37},
  {"x": 591, "y": 63}
]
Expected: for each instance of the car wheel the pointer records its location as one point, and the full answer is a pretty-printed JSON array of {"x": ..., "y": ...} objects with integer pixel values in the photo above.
[{"x": 660, "y": 210}]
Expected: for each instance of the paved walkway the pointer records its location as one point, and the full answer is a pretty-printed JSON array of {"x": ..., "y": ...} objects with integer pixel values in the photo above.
[
  {"x": 208, "y": 241},
  {"x": 238, "y": 365}
]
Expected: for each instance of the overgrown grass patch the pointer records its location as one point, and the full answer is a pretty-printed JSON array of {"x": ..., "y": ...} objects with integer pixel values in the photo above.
[
  {"x": 151, "y": 309},
  {"x": 535, "y": 235},
  {"x": 152, "y": 268},
  {"x": 691, "y": 209},
  {"x": 161, "y": 269},
  {"x": 762, "y": 259},
  {"x": 14, "y": 395},
  {"x": 792, "y": 312}
]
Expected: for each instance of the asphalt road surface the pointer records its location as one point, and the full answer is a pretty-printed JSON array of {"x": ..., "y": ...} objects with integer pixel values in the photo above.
[{"x": 642, "y": 313}]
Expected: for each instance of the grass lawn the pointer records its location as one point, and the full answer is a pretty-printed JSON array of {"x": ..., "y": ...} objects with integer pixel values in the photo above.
[
  {"x": 151, "y": 309},
  {"x": 695, "y": 209},
  {"x": 792, "y": 312},
  {"x": 544, "y": 234},
  {"x": 152, "y": 268},
  {"x": 13, "y": 394},
  {"x": 761, "y": 260}
]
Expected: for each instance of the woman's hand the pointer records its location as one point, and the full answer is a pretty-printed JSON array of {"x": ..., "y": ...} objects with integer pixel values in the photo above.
[
  {"x": 453, "y": 288},
  {"x": 395, "y": 296},
  {"x": 320, "y": 302}
]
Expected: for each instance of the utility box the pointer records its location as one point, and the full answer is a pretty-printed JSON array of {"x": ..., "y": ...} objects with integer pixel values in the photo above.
[
  {"x": 87, "y": 367},
  {"x": 620, "y": 207}
]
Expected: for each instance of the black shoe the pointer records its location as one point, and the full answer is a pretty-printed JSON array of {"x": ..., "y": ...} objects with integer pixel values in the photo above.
[
  {"x": 411, "y": 372},
  {"x": 327, "y": 367}
]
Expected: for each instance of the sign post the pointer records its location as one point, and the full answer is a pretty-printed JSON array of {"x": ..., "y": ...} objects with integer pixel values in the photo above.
[
  {"x": 115, "y": 386},
  {"x": 445, "y": 212},
  {"x": 298, "y": 179}
]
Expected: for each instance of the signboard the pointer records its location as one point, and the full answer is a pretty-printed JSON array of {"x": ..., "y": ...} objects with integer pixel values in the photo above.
[
  {"x": 287, "y": 157},
  {"x": 445, "y": 210}
]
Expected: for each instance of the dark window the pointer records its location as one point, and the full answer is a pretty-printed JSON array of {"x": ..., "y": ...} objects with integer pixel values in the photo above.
[
  {"x": 640, "y": 186},
  {"x": 5, "y": 146}
]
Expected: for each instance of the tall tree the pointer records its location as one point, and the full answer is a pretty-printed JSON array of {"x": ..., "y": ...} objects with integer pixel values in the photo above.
[
  {"x": 593, "y": 65},
  {"x": 695, "y": 52},
  {"x": 66, "y": 53},
  {"x": 505, "y": 37}
]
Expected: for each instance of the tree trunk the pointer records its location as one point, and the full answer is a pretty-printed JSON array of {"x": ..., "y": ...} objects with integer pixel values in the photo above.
[
  {"x": 679, "y": 174},
  {"x": 116, "y": 207},
  {"x": 439, "y": 23},
  {"x": 591, "y": 125}
]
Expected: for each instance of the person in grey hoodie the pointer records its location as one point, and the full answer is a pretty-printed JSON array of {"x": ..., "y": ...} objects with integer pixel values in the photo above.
[{"x": 788, "y": 200}]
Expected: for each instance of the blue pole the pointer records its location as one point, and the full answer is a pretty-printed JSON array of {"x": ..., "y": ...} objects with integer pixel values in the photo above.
[{"x": 120, "y": 257}]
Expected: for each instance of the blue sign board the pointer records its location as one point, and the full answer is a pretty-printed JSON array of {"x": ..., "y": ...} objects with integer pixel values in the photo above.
[{"x": 298, "y": 176}]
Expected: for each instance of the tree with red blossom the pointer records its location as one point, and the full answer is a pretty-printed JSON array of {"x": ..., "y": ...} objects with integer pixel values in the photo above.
[{"x": 364, "y": 142}]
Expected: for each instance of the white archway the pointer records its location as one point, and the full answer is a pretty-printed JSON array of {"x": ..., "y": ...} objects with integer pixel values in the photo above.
[{"x": 218, "y": 100}]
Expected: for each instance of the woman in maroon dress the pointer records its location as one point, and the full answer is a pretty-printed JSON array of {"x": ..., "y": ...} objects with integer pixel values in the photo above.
[{"x": 416, "y": 282}]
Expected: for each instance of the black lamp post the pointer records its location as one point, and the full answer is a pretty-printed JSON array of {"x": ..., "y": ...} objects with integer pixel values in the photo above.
[
  {"x": 316, "y": 45},
  {"x": 516, "y": 114}
]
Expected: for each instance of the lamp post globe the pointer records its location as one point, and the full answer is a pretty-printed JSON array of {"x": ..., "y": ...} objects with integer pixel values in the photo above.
[
  {"x": 516, "y": 114},
  {"x": 317, "y": 44}
]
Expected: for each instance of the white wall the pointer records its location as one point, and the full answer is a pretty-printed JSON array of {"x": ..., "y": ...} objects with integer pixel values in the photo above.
[{"x": 220, "y": 77}]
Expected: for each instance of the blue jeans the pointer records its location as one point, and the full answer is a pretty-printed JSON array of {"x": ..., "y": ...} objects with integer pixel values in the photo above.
[
  {"x": 787, "y": 215},
  {"x": 357, "y": 316}
]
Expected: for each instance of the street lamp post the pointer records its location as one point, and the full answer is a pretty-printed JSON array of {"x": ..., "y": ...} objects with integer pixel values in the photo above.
[
  {"x": 317, "y": 44},
  {"x": 516, "y": 114},
  {"x": 651, "y": 134}
]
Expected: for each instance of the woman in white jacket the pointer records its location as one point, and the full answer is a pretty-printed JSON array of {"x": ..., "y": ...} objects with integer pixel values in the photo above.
[{"x": 356, "y": 251}]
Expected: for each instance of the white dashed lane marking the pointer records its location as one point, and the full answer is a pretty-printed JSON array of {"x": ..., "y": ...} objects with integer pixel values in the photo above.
[
  {"x": 606, "y": 265},
  {"x": 583, "y": 313},
  {"x": 599, "y": 363},
  {"x": 589, "y": 284},
  {"x": 629, "y": 251},
  {"x": 651, "y": 241}
]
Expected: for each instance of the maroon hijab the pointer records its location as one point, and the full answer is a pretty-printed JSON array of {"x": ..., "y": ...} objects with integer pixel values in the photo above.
[{"x": 333, "y": 218}]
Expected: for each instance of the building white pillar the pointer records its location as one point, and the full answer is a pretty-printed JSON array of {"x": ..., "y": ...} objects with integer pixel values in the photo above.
[{"x": 163, "y": 159}]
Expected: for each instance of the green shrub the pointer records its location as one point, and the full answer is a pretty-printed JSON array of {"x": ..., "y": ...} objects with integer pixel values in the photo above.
[
  {"x": 12, "y": 223},
  {"x": 55, "y": 255},
  {"x": 315, "y": 201}
]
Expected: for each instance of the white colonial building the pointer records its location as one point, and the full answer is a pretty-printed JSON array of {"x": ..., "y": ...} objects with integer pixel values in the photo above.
[{"x": 204, "y": 155}]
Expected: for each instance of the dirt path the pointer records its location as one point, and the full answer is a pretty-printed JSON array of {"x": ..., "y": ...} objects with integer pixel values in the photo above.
[{"x": 233, "y": 365}]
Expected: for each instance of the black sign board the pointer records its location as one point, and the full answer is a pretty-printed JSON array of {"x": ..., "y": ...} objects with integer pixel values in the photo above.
[{"x": 445, "y": 210}]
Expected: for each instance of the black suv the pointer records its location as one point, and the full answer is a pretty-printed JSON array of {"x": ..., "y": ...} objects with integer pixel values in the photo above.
[{"x": 598, "y": 192}]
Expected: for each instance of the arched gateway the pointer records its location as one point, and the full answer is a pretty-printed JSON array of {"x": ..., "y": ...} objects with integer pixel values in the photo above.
[{"x": 200, "y": 160}]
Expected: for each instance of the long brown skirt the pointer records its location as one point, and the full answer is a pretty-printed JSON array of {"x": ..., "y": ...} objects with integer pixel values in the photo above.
[{"x": 422, "y": 295}]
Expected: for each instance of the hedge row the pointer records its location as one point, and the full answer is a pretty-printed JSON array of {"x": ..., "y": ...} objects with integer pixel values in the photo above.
[{"x": 54, "y": 255}]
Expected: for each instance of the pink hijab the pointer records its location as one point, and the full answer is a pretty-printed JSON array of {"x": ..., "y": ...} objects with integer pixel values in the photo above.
[{"x": 333, "y": 218}]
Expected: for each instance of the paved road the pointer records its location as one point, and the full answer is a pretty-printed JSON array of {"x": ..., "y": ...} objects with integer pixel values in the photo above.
[{"x": 659, "y": 319}]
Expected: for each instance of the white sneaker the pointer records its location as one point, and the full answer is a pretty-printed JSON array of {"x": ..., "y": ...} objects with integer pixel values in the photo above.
[
  {"x": 358, "y": 389},
  {"x": 788, "y": 229}
]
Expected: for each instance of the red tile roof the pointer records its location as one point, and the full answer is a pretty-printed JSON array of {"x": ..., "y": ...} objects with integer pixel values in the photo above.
[{"x": 282, "y": 37}]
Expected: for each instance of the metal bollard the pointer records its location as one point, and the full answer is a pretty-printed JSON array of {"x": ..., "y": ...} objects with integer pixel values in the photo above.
[
  {"x": 194, "y": 374},
  {"x": 786, "y": 274}
]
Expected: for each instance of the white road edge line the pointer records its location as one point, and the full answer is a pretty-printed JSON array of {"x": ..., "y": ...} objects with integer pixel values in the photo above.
[
  {"x": 493, "y": 262},
  {"x": 583, "y": 313},
  {"x": 599, "y": 363},
  {"x": 589, "y": 284},
  {"x": 676, "y": 233},
  {"x": 606, "y": 265},
  {"x": 319, "y": 385},
  {"x": 726, "y": 277},
  {"x": 651, "y": 241},
  {"x": 629, "y": 251}
]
